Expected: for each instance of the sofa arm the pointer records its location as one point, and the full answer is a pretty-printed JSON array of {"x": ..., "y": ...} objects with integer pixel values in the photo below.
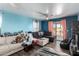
[{"x": 43, "y": 42}]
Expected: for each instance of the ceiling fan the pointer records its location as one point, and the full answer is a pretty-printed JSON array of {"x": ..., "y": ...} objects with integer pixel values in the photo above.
[{"x": 46, "y": 15}]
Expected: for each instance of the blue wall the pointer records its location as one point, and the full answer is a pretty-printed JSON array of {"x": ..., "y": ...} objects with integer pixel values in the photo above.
[
  {"x": 13, "y": 23},
  {"x": 44, "y": 25},
  {"x": 68, "y": 22}
]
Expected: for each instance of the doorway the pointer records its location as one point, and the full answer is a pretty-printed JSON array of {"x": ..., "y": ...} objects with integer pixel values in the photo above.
[{"x": 58, "y": 30}]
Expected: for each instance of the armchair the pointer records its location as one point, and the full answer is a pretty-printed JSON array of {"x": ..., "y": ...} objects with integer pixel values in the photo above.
[{"x": 65, "y": 44}]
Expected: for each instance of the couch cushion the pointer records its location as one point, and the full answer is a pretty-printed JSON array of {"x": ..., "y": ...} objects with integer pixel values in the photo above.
[
  {"x": 2, "y": 40},
  {"x": 47, "y": 34},
  {"x": 35, "y": 35},
  {"x": 15, "y": 46},
  {"x": 4, "y": 49},
  {"x": 10, "y": 39}
]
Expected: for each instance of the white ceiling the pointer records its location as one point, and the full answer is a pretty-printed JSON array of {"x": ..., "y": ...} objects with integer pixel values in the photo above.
[{"x": 31, "y": 9}]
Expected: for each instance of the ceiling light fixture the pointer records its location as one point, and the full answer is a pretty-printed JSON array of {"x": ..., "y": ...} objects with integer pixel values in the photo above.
[
  {"x": 59, "y": 9},
  {"x": 47, "y": 11}
]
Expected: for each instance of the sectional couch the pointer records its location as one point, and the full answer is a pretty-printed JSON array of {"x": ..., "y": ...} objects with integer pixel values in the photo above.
[
  {"x": 7, "y": 47},
  {"x": 44, "y": 34}
]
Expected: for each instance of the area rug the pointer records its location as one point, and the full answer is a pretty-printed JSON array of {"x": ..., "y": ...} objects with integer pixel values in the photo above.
[{"x": 48, "y": 51}]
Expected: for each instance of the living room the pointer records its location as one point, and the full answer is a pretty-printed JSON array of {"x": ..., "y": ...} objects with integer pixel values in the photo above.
[{"x": 39, "y": 29}]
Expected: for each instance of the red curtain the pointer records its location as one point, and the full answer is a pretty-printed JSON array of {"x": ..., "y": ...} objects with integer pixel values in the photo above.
[
  {"x": 50, "y": 26},
  {"x": 63, "y": 22}
]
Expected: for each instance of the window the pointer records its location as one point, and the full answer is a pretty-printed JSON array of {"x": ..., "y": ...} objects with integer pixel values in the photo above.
[
  {"x": 0, "y": 20},
  {"x": 36, "y": 25}
]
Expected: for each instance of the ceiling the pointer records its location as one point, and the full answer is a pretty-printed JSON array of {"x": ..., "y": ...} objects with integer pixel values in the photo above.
[{"x": 31, "y": 9}]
